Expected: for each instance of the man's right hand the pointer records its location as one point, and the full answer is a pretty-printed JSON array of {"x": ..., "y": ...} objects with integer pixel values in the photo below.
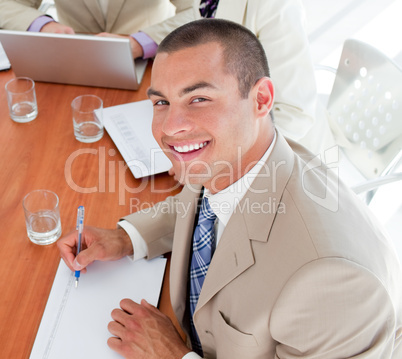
[
  {"x": 57, "y": 28},
  {"x": 96, "y": 244}
]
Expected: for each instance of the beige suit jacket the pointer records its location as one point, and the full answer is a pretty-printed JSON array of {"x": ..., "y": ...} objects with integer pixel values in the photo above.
[
  {"x": 301, "y": 269},
  {"x": 124, "y": 16}
]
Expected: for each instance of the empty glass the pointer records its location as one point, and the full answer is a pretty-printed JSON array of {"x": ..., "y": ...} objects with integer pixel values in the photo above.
[
  {"x": 21, "y": 99},
  {"x": 87, "y": 118},
  {"x": 42, "y": 217}
]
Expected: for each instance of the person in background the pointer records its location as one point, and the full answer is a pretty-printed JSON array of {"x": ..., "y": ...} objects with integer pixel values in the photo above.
[
  {"x": 145, "y": 23},
  {"x": 278, "y": 24},
  {"x": 271, "y": 257}
]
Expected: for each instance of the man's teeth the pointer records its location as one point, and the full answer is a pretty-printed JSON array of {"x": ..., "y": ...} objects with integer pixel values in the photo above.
[{"x": 189, "y": 148}]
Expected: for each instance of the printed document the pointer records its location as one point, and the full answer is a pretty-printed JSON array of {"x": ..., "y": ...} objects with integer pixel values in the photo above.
[{"x": 130, "y": 127}]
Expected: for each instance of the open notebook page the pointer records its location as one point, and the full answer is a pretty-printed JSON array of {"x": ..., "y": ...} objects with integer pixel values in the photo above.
[{"x": 74, "y": 324}]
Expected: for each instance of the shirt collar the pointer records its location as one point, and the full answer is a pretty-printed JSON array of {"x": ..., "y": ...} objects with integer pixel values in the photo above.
[{"x": 224, "y": 202}]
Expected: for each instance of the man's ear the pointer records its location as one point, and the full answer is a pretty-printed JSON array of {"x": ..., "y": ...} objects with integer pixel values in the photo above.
[{"x": 264, "y": 96}]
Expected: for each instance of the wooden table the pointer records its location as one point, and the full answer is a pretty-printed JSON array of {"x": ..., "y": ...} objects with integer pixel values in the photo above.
[{"x": 44, "y": 154}]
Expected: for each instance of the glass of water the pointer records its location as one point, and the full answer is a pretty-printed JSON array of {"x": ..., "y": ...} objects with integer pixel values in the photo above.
[
  {"x": 42, "y": 216},
  {"x": 21, "y": 99},
  {"x": 87, "y": 118}
]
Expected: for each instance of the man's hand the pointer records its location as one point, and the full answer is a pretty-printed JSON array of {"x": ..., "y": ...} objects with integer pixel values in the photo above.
[
  {"x": 136, "y": 48},
  {"x": 96, "y": 244},
  {"x": 57, "y": 28},
  {"x": 143, "y": 332}
]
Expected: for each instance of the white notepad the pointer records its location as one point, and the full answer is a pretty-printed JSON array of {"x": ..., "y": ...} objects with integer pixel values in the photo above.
[
  {"x": 74, "y": 324},
  {"x": 130, "y": 127}
]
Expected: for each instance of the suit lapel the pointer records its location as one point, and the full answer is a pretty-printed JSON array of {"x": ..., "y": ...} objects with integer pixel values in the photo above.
[
  {"x": 232, "y": 257},
  {"x": 264, "y": 196},
  {"x": 96, "y": 11},
  {"x": 114, "y": 9},
  {"x": 113, "y": 12},
  {"x": 251, "y": 221},
  {"x": 186, "y": 212}
]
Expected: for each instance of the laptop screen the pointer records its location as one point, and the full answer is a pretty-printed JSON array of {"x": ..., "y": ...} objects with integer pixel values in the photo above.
[{"x": 73, "y": 59}]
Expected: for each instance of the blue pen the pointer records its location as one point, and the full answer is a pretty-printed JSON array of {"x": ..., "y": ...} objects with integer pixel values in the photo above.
[{"x": 80, "y": 227}]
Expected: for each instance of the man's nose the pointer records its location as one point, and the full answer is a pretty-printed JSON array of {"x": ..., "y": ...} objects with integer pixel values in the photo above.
[{"x": 176, "y": 121}]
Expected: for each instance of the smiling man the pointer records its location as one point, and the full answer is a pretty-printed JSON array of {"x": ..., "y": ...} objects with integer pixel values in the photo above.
[
  {"x": 204, "y": 122},
  {"x": 272, "y": 257}
]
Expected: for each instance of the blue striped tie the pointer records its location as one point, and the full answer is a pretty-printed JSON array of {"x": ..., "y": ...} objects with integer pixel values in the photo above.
[{"x": 203, "y": 246}]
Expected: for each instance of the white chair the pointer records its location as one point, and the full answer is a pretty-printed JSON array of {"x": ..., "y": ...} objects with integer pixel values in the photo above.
[{"x": 365, "y": 113}]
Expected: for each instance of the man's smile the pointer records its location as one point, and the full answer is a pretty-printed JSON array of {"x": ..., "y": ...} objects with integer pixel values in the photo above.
[
  {"x": 187, "y": 151},
  {"x": 190, "y": 147}
]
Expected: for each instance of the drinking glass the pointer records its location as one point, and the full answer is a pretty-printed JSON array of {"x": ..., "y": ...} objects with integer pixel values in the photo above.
[
  {"x": 21, "y": 99},
  {"x": 87, "y": 118},
  {"x": 42, "y": 216}
]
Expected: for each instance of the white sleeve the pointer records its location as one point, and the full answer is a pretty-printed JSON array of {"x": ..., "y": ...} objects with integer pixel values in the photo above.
[
  {"x": 139, "y": 245},
  {"x": 186, "y": 11},
  {"x": 191, "y": 355}
]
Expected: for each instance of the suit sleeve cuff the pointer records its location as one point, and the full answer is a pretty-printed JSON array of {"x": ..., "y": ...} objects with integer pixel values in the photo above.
[
  {"x": 148, "y": 45},
  {"x": 39, "y": 22},
  {"x": 139, "y": 245}
]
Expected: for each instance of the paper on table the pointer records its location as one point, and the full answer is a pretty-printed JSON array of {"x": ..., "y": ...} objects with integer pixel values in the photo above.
[
  {"x": 130, "y": 127},
  {"x": 4, "y": 62},
  {"x": 74, "y": 324}
]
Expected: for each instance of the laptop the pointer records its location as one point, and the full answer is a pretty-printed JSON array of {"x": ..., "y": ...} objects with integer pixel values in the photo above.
[{"x": 73, "y": 59}]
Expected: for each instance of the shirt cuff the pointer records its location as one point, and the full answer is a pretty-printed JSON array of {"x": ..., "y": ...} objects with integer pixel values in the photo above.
[
  {"x": 39, "y": 22},
  {"x": 191, "y": 355},
  {"x": 148, "y": 45},
  {"x": 139, "y": 245}
]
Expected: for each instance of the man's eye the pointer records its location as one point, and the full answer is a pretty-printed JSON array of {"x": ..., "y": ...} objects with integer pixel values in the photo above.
[
  {"x": 199, "y": 99},
  {"x": 161, "y": 103}
]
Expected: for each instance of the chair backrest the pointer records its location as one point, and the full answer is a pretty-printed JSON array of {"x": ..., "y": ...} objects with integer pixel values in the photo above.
[{"x": 366, "y": 107}]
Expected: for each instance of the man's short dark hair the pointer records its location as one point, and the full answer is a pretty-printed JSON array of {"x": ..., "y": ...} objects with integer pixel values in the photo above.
[{"x": 243, "y": 54}]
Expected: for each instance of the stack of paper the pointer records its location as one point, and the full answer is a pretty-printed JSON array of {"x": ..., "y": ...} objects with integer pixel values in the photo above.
[{"x": 130, "y": 127}]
